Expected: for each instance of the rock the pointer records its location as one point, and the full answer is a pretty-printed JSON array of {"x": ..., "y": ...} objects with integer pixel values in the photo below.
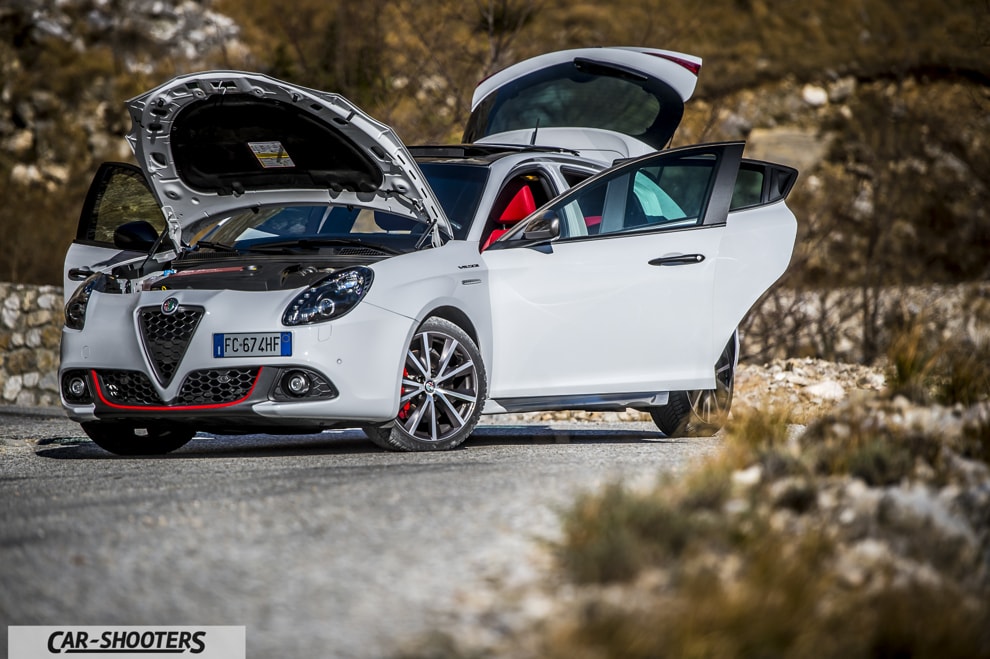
[
  {"x": 9, "y": 317},
  {"x": 747, "y": 477},
  {"x": 20, "y": 143},
  {"x": 814, "y": 95},
  {"x": 25, "y": 174},
  {"x": 20, "y": 362},
  {"x": 12, "y": 387},
  {"x": 827, "y": 390},
  {"x": 842, "y": 89},
  {"x": 49, "y": 381},
  {"x": 33, "y": 338},
  {"x": 917, "y": 508},
  {"x": 39, "y": 318},
  {"x": 860, "y": 560},
  {"x": 735, "y": 125},
  {"x": 51, "y": 335},
  {"x": 55, "y": 176},
  {"x": 802, "y": 148}
]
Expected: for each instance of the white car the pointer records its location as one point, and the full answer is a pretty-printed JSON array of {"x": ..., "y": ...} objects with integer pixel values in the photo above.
[{"x": 280, "y": 262}]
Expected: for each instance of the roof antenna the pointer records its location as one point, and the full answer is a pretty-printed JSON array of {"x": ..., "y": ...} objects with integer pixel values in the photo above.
[{"x": 536, "y": 129}]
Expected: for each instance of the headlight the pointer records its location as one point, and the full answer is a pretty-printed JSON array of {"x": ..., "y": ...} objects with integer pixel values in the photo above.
[
  {"x": 330, "y": 298},
  {"x": 75, "y": 308}
]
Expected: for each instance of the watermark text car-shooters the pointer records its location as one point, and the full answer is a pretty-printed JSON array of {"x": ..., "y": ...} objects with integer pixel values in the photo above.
[{"x": 203, "y": 642}]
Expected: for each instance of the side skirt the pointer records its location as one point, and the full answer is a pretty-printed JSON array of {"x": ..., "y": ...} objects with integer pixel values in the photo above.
[{"x": 589, "y": 402}]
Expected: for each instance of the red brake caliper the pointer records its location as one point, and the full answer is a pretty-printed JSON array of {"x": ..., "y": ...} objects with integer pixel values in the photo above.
[{"x": 404, "y": 412}]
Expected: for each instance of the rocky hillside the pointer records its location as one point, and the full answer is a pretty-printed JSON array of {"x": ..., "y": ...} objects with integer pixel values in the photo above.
[
  {"x": 65, "y": 70},
  {"x": 884, "y": 110}
]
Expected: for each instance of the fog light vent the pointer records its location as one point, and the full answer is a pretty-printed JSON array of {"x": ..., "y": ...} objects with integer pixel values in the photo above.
[
  {"x": 296, "y": 383},
  {"x": 75, "y": 387},
  {"x": 302, "y": 384}
]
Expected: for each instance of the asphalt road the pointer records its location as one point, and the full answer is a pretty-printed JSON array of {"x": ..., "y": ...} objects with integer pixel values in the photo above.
[{"x": 321, "y": 545}]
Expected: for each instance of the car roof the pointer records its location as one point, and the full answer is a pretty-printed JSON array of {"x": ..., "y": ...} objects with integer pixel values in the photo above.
[{"x": 483, "y": 154}]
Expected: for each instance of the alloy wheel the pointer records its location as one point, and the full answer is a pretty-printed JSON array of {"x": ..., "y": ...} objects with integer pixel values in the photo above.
[
  {"x": 710, "y": 407},
  {"x": 440, "y": 387}
]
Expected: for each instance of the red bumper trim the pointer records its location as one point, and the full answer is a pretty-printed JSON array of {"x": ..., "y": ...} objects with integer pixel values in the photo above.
[{"x": 170, "y": 408}]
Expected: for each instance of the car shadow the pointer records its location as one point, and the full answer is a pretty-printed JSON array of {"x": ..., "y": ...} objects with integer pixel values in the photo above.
[
  {"x": 205, "y": 445},
  {"x": 497, "y": 435},
  {"x": 350, "y": 441}
]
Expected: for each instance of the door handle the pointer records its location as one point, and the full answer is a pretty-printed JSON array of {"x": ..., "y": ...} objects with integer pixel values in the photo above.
[{"x": 682, "y": 259}]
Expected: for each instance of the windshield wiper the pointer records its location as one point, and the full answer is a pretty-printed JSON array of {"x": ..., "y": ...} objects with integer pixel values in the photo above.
[
  {"x": 219, "y": 247},
  {"x": 317, "y": 243}
]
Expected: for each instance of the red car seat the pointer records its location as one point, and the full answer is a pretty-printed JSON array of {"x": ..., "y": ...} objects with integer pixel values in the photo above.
[{"x": 521, "y": 205}]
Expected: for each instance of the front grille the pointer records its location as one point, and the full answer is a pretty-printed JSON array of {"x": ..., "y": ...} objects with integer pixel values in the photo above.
[
  {"x": 166, "y": 337},
  {"x": 128, "y": 388},
  {"x": 214, "y": 386}
]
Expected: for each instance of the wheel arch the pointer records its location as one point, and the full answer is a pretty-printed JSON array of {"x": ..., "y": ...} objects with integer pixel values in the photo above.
[
  {"x": 736, "y": 345},
  {"x": 456, "y": 316}
]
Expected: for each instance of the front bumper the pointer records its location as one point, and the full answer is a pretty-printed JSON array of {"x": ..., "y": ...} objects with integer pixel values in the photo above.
[{"x": 355, "y": 362}]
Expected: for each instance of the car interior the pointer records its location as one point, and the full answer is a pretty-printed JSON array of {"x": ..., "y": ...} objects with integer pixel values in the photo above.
[{"x": 518, "y": 199}]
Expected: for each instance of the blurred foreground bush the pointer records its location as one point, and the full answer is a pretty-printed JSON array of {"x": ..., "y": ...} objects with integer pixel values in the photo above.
[{"x": 865, "y": 534}]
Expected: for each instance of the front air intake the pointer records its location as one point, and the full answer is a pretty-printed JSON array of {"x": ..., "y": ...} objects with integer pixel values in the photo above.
[{"x": 166, "y": 337}]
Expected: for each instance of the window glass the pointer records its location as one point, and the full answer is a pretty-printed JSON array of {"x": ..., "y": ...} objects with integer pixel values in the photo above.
[
  {"x": 609, "y": 103},
  {"x": 653, "y": 200},
  {"x": 582, "y": 216},
  {"x": 749, "y": 188},
  {"x": 313, "y": 222},
  {"x": 125, "y": 198},
  {"x": 459, "y": 189},
  {"x": 665, "y": 193},
  {"x": 670, "y": 195},
  {"x": 686, "y": 183},
  {"x": 574, "y": 176},
  {"x": 581, "y": 93}
]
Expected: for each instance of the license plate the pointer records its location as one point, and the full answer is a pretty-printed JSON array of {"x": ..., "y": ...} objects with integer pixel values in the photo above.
[{"x": 253, "y": 344}]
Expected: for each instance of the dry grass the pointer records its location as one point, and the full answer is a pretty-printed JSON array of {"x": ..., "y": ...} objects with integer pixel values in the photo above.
[
  {"x": 783, "y": 545},
  {"x": 747, "y": 561},
  {"x": 925, "y": 366}
]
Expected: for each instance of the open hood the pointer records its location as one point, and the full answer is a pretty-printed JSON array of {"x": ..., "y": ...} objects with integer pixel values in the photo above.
[
  {"x": 219, "y": 141},
  {"x": 605, "y": 103}
]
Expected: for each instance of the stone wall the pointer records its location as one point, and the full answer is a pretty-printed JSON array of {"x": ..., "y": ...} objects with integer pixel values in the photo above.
[
  {"x": 840, "y": 324},
  {"x": 822, "y": 324},
  {"x": 30, "y": 331}
]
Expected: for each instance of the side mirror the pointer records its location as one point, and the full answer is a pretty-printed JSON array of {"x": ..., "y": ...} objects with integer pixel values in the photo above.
[
  {"x": 80, "y": 274},
  {"x": 543, "y": 229},
  {"x": 136, "y": 236}
]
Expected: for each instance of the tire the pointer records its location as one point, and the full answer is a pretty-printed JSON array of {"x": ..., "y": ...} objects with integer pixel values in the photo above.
[
  {"x": 443, "y": 391},
  {"x": 124, "y": 439},
  {"x": 700, "y": 413}
]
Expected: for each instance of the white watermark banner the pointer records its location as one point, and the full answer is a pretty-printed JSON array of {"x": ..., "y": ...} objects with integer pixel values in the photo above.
[{"x": 98, "y": 642}]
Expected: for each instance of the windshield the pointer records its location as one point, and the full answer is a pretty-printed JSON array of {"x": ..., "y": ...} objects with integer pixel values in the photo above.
[{"x": 458, "y": 187}]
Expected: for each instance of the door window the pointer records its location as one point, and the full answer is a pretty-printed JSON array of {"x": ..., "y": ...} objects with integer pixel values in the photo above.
[
  {"x": 660, "y": 194},
  {"x": 118, "y": 194},
  {"x": 748, "y": 190}
]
